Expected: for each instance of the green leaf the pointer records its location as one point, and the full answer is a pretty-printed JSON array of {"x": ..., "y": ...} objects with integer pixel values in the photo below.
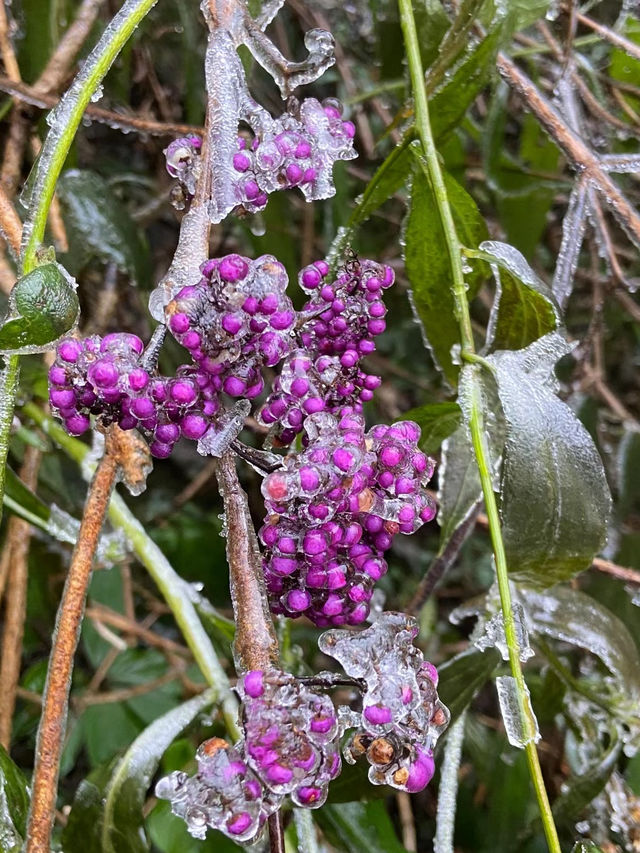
[
  {"x": 555, "y": 501},
  {"x": 585, "y": 847},
  {"x": 579, "y": 790},
  {"x": 84, "y": 824},
  {"x": 460, "y": 490},
  {"x": 353, "y": 785},
  {"x": 387, "y": 180},
  {"x": 100, "y": 225},
  {"x": 359, "y": 828},
  {"x": 14, "y": 805},
  {"x": 526, "y": 12},
  {"x": 462, "y": 676},
  {"x": 428, "y": 265},
  {"x": 43, "y": 307},
  {"x": 467, "y": 79},
  {"x": 524, "y": 308},
  {"x": 122, "y": 826},
  {"x": 437, "y": 421},
  {"x": 17, "y": 491},
  {"x": 572, "y": 616}
]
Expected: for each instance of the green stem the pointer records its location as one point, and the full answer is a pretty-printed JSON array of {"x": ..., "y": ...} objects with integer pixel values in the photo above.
[
  {"x": 8, "y": 390},
  {"x": 476, "y": 426},
  {"x": 174, "y": 589},
  {"x": 56, "y": 145}
]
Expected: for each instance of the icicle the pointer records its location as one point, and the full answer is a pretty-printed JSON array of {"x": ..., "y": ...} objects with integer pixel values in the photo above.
[{"x": 520, "y": 724}]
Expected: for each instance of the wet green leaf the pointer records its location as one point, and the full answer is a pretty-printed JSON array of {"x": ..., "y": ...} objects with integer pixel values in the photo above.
[
  {"x": 462, "y": 676},
  {"x": 524, "y": 308},
  {"x": 555, "y": 500},
  {"x": 429, "y": 268},
  {"x": 437, "y": 421},
  {"x": 14, "y": 805},
  {"x": 43, "y": 307},
  {"x": 359, "y": 828},
  {"x": 579, "y": 790},
  {"x": 100, "y": 226},
  {"x": 123, "y": 822}
]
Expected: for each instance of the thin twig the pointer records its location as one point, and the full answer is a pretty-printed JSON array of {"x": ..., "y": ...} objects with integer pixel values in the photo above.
[
  {"x": 574, "y": 148},
  {"x": 10, "y": 224},
  {"x": 255, "y": 645},
  {"x": 111, "y": 617},
  {"x": 17, "y": 545},
  {"x": 407, "y": 822},
  {"x": 67, "y": 632},
  {"x": 614, "y": 38}
]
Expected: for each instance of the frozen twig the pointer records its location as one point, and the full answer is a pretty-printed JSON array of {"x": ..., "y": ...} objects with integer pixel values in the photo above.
[
  {"x": 614, "y": 38},
  {"x": 10, "y": 224},
  {"x": 67, "y": 633}
]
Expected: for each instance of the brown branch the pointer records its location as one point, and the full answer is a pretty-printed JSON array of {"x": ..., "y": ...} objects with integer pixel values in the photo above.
[
  {"x": 255, "y": 645},
  {"x": 614, "y": 38},
  {"x": 573, "y": 147},
  {"x": 6, "y": 47},
  {"x": 10, "y": 224},
  {"x": 17, "y": 545},
  {"x": 45, "y": 101},
  {"x": 111, "y": 617},
  {"x": 67, "y": 632},
  {"x": 57, "y": 68}
]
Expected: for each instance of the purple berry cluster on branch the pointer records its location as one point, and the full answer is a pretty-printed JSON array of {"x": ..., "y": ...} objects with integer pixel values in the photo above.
[
  {"x": 340, "y": 322},
  {"x": 224, "y": 794},
  {"x": 402, "y": 716},
  {"x": 291, "y": 736},
  {"x": 104, "y": 377},
  {"x": 332, "y": 512},
  {"x": 234, "y": 321}
]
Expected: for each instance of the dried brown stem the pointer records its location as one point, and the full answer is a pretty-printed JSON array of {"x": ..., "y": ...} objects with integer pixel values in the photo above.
[
  {"x": 10, "y": 224},
  {"x": 6, "y": 47},
  {"x": 111, "y": 617},
  {"x": 574, "y": 148},
  {"x": 43, "y": 100},
  {"x": 255, "y": 645},
  {"x": 17, "y": 545},
  {"x": 614, "y": 38},
  {"x": 69, "y": 619}
]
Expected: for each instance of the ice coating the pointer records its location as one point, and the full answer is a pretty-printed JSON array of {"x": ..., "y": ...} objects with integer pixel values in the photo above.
[
  {"x": 112, "y": 547},
  {"x": 224, "y": 794},
  {"x": 291, "y": 736},
  {"x": 573, "y": 228},
  {"x": 235, "y": 320},
  {"x": 337, "y": 329},
  {"x": 493, "y": 634},
  {"x": 402, "y": 716},
  {"x": 332, "y": 512},
  {"x": 520, "y": 723}
]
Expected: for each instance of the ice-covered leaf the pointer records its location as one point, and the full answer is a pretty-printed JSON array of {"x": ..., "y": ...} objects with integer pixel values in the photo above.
[
  {"x": 429, "y": 268},
  {"x": 524, "y": 308},
  {"x": 573, "y": 228},
  {"x": 460, "y": 490},
  {"x": 83, "y": 828},
  {"x": 43, "y": 307},
  {"x": 388, "y": 179},
  {"x": 572, "y": 616},
  {"x": 126, "y": 792},
  {"x": 359, "y": 828},
  {"x": 100, "y": 225},
  {"x": 583, "y": 787},
  {"x": 437, "y": 421},
  {"x": 555, "y": 500},
  {"x": 14, "y": 805},
  {"x": 585, "y": 847}
]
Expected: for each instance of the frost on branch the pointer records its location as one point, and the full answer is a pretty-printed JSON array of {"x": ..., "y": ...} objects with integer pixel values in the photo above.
[{"x": 402, "y": 716}]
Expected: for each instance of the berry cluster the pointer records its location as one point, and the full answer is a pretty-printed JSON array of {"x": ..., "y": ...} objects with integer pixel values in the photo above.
[
  {"x": 224, "y": 794},
  {"x": 291, "y": 736},
  {"x": 293, "y": 151},
  {"x": 402, "y": 716},
  {"x": 236, "y": 320},
  {"x": 332, "y": 512},
  {"x": 341, "y": 320},
  {"x": 184, "y": 161},
  {"x": 103, "y": 376}
]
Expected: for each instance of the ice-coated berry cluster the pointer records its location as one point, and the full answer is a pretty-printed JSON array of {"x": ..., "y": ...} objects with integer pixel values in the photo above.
[
  {"x": 341, "y": 320},
  {"x": 402, "y": 716},
  {"x": 183, "y": 161},
  {"x": 235, "y": 320},
  {"x": 224, "y": 794},
  {"x": 291, "y": 736},
  {"x": 296, "y": 150},
  {"x": 104, "y": 377},
  {"x": 332, "y": 512}
]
